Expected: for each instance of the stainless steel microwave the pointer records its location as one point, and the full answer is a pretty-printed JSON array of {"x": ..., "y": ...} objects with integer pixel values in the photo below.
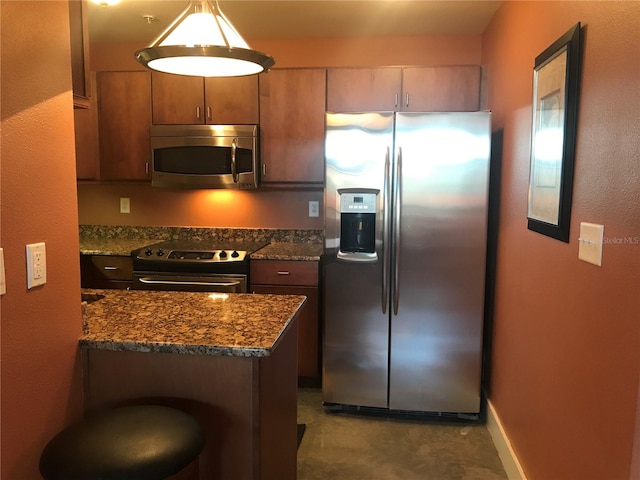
[{"x": 204, "y": 156}]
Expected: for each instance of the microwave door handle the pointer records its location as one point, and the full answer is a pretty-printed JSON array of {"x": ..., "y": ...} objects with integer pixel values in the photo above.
[{"x": 234, "y": 167}]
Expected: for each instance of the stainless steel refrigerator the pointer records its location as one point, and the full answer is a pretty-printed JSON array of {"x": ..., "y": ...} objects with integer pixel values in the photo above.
[{"x": 404, "y": 260}]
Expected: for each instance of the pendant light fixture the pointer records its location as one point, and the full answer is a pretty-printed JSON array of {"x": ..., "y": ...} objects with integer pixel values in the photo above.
[{"x": 202, "y": 42}]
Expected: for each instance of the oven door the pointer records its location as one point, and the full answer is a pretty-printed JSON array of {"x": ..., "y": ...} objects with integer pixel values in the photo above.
[{"x": 231, "y": 283}]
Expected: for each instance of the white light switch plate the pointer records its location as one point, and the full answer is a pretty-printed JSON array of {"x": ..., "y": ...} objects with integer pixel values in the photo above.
[
  {"x": 3, "y": 281},
  {"x": 591, "y": 239}
]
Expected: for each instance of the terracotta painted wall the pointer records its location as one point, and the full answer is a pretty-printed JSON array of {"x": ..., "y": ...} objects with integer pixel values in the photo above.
[
  {"x": 566, "y": 356},
  {"x": 40, "y": 373},
  {"x": 99, "y": 204}
]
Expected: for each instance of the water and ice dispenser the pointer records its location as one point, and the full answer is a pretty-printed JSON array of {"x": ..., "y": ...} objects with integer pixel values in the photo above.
[{"x": 358, "y": 225}]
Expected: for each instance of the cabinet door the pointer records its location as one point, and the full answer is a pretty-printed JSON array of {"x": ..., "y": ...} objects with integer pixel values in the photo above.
[
  {"x": 363, "y": 89},
  {"x": 124, "y": 119},
  {"x": 85, "y": 122},
  {"x": 292, "y": 107},
  {"x": 79, "y": 43},
  {"x": 232, "y": 100},
  {"x": 86, "y": 137},
  {"x": 441, "y": 89},
  {"x": 177, "y": 100},
  {"x": 308, "y": 331}
]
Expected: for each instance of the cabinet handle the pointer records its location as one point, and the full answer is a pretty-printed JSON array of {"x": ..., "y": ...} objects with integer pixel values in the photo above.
[
  {"x": 282, "y": 272},
  {"x": 107, "y": 267},
  {"x": 407, "y": 101},
  {"x": 146, "y": 168},
  {"x": 208, "y": 113},
  {"x": 264, "y": 169},
  {"x": 198, "y": 113},
  {"x": 395, "y": 100}
]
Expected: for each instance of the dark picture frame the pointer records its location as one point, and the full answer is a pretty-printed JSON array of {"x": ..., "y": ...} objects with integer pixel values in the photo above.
[{"x": 556, "y": 82}]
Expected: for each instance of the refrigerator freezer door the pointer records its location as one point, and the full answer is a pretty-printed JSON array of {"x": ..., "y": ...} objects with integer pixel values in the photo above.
[
  {"x": 356, "y": 330},
  {"x": 435, "y": 357}
]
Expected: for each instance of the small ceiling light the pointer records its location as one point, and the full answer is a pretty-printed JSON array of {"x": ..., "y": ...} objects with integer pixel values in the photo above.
[
  {"x": 201, "y": 42},
  {"x": 106, "y": 3}
]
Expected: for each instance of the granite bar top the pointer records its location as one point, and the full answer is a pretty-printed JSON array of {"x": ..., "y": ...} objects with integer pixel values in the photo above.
[{"x": 245, "y": 325}]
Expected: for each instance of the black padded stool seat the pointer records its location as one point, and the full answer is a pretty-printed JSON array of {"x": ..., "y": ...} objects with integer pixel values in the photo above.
[{"x": 147, "y": 442}]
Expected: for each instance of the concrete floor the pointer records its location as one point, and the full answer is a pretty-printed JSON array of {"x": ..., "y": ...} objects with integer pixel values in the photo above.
[{"x": 356, "y": 447}]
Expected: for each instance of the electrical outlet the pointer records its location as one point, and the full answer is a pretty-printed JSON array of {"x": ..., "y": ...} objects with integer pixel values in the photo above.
[
  {"x": 314, "y": 208},
  {"x": 125, "y": 205},
  {"x": 36, "y": 265}
]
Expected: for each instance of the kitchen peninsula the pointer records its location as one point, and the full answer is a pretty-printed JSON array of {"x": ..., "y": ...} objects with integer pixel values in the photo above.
[{"x": 228, "y": 359}]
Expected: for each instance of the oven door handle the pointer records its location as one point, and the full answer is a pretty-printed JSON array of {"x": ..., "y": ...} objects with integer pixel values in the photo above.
[{"x": 151, "y": 281}]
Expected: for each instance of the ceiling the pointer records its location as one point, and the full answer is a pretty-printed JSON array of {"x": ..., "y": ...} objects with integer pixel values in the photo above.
[{"x": 291, "y": 19}]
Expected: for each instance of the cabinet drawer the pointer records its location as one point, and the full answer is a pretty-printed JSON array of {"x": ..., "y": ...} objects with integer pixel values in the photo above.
[
  {"x": 113, "y": 267},
  {"x": 284, "y": 272},
  {"x": 106, "y": 271}
]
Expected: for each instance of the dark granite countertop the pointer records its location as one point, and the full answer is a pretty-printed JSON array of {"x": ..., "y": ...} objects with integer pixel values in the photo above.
[
  {"x": 246, "y": 325},
  {"x": 113, "y": 246},
  {"x": 300, "y": 251},
  {"x": 309, "y": 252}
]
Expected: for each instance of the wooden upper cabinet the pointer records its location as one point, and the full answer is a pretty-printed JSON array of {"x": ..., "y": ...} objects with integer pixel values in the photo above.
[
  {"x": 363, "y": 89},
  {"x": 232, "y": 100},
  {"x": 86, "y": 136},
  {"x": 441, "y": 89},
  {"x": 79, "y": 38},
  {"x": 408, "y": 89},
  {"x": 124, "y": 118},
  {"x": 292, "y": 108},
  {"x": 183, "y": 100}
]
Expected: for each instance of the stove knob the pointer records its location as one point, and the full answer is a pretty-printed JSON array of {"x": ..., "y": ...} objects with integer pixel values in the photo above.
[
  {"x": 160, "y": 252},
  {"x": 223, "y": 254},
  {"x": 235, "y": 254},
  {"x": 148, "y": 252}
]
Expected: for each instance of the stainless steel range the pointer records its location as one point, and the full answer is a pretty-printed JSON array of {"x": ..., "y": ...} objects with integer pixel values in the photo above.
[{"x": 197, "y": 266}]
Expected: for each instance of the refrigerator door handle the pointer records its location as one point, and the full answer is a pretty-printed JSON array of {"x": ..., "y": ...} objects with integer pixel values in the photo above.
[
  {"x": 397, "y": 178},
  {"x": 386, "y": 240}
]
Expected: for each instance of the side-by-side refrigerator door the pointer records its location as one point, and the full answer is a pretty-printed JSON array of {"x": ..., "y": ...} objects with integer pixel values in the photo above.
[
  {"x": 441, "y": 231},
  {"x": 358, "y": 149}
]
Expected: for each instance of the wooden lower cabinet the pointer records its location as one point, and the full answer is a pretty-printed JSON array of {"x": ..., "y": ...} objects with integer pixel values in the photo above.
[{"x": 296, "y": 278}]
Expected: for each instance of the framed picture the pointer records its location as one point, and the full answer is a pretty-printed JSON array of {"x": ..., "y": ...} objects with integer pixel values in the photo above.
[{"x": 556, "y": 81}]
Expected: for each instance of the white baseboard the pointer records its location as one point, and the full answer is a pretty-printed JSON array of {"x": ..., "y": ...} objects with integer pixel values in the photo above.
[{"x": 508, "y": 457}]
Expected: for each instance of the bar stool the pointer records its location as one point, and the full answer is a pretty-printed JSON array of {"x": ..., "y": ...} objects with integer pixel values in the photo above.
[{"x": 143, "y": 442}]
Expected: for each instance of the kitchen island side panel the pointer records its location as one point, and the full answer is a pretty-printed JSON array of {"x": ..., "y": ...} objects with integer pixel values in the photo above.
[{"x": 225, "y": 393}]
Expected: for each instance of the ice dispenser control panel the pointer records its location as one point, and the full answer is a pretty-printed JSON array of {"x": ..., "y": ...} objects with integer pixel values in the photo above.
[
  {"x": 358, "y": 203},
  {"x": 357, "y": 226}
]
